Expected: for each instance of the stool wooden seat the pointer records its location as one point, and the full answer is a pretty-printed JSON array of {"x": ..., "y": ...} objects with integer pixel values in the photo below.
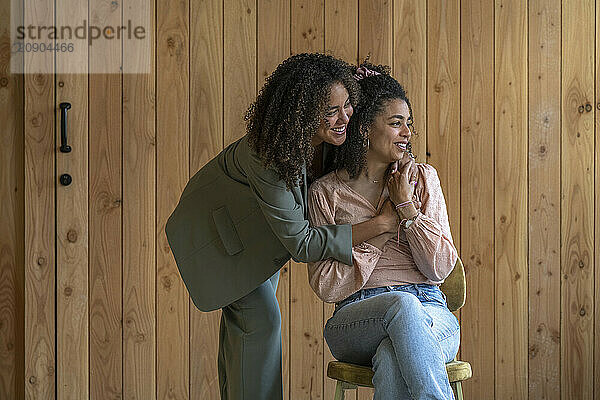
[{"x": 350, "y": 376}]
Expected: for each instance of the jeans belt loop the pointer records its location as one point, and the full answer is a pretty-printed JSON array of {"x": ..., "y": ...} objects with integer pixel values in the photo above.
[{"x": 418, "y": 289}]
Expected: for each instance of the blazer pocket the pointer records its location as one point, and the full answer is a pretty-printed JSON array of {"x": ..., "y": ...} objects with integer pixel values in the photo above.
[{"x": 227, "y": 232}]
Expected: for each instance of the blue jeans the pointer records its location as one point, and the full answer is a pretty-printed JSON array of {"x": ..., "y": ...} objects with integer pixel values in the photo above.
[{"x": 406, "y": 333}]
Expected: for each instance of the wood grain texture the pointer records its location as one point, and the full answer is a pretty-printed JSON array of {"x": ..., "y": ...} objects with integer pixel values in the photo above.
[
  {"x": 105, "y": 206},
  {"x": 306, "y": 327},
  {"x": 577, "y": 207},
  {"x": 206, "y": 141},
  {"x": 510, "y": 185},
  {"x": 544, "y": 199},
  {"x": 105, "y": 240},
  {"x": 409, "y": 64},
  {"x": 40, "y": 256},
  {"x": 443, "y": 103},
  {"x": 12, "y": 329},
  {"x": 272, "y": 47},
  {"x": 307, "y": 29},
  {"x": 341, "y": 40},
  {"x": 139, "y": 210},
  {"x": 341, "y": 29},
  {"x": 273, "y": 37},
  {"x": 306, "y": 336},
  {"x": 477, "y": 197},
  {"x": 239, "y": 76},
  {"x": 72, "y": 294},
  {"x": 375, "y": 31},
  {"x": 172, "y": 158},
  {"x": 206, "y": 82},
  {"x": 597, "y": 213}
]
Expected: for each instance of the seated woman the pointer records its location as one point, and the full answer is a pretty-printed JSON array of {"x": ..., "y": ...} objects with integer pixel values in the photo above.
[{"x": 390, "y": 312}]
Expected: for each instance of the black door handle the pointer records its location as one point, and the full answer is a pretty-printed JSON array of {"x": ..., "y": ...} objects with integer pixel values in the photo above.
[{"x": 64, "y": 147}]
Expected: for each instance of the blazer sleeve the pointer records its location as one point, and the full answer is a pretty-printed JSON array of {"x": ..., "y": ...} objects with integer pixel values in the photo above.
[{"x": 286, "y": 219}]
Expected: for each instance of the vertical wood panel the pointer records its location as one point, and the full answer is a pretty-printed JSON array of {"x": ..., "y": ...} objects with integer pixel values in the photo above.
[
  {"x": 341, "y": 40},
  {"x": 172, "y": 135},
  {"x": 12, "y": 215},
  {"x": 544, "y": 199},
  {"x": 105, "y": 202},
  {"x": 307, "y": 30},
  {"x": 597, "y": 212},
  {"x": 341, "y": 29},
  {"x": 72, "y": 319},
  {"x": 239, "y": 66},
  {"x": 306, "y": 327},
  {"x": 510, "y": 185},
  {"x": 410, "y": 63},
  {"x": 306, "y": 337},
  {"x": 375, "y": 31},
  {"x": 272, "y": 47},
  {"x": 577, "y": 229},
  {"x": 477, "y": 197},
  {"x": 206, "y": 82},
  {"x": 206, "y": 141},
  {"x": 40, "y": 327},
  {"x": 139, "y": 210},
  {"x": 443, "y": 102}
]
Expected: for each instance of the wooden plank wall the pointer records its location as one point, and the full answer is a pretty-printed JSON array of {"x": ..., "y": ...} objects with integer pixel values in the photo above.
[
  {"x": 12, "y": 217},
  {"x": 506, "y": 101}
]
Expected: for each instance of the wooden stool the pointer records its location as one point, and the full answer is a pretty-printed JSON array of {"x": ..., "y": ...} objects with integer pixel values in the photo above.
[{"x": 350, "y": 376}]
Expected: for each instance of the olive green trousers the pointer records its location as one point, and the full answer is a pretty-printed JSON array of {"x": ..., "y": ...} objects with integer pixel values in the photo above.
[{"x": 249, "y": 361}]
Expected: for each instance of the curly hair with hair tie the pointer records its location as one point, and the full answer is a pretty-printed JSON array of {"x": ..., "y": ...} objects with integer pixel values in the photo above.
[
  {"x": 289, "y": 108},
  {"x": 378, "y": 88}
]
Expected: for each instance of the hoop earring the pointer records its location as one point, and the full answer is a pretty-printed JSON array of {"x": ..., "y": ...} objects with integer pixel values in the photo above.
[{"x": 368, "y": 144}]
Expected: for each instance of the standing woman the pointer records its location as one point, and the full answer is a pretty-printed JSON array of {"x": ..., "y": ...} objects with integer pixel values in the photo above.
[{"x": 243, "y": 215}]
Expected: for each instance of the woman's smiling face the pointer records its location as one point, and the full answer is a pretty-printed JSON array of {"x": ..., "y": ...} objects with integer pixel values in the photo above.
[
  {"x": 389, "y": 134},
  {"x": 337, "y": 114}
]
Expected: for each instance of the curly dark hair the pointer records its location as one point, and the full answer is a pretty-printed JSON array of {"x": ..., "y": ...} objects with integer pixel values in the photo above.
[
  {"x": 376, "y": 92},
  {"x": 289, "y": 108}
]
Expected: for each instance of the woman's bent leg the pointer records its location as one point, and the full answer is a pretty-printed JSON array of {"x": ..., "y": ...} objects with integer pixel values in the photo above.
[
  {"x": 388, "y": 380},
  {"x": 250, "y": 347},
  {"x": 355, "y": 332},
  {"x": 423, "y": 340}
]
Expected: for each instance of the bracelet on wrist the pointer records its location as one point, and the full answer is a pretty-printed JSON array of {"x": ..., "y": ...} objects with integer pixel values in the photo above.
[
  {"x": 406, "y": 222},
  {"x": 404, "y": 204}
]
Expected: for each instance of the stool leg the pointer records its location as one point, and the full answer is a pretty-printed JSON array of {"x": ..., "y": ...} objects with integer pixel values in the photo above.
[
  {"x": 457, "y": 389},
  {"x": 339, "y": 391}
]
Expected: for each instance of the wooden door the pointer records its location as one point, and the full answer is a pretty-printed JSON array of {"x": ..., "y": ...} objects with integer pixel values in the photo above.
[{"x": 89, "y": 261}]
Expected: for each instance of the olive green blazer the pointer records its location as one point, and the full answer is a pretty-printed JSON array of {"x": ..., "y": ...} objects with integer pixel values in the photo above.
[{"x": 236, "y": 224}]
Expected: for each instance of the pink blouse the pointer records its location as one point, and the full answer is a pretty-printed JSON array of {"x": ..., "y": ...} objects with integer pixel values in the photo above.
[{"x": 424, "y": 252}]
